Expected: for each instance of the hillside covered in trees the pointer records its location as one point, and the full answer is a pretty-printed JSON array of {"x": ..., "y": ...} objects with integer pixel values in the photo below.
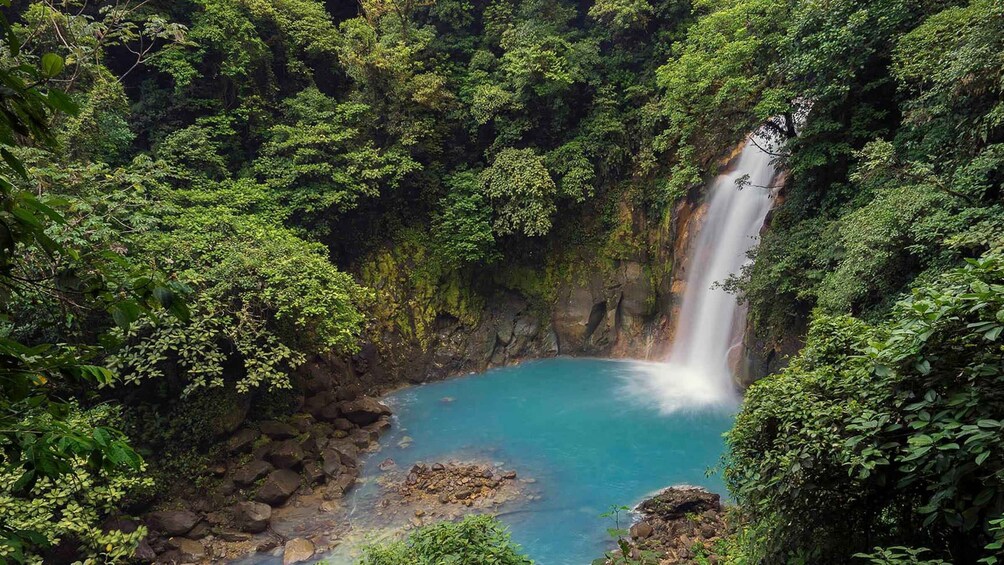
[{"x": 201, "y": 199}]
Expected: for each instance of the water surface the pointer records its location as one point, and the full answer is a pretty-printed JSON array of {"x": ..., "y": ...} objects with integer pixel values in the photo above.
[{"x": 584, "y": 429}]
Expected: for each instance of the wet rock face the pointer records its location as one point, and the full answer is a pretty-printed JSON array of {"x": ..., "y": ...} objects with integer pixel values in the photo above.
[{"x": 606, "y": 313}]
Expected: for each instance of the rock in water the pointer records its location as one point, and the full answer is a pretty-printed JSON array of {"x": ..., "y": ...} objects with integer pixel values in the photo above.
[
  {"x": 297, "y": 550},
  {"x": 677, "y": 502},
  {"x": 172, "y": 522},
  {"x": 278, "y": 487},
  {"x": 253, "y": 516},
  {"x": 364, "y": 410}
]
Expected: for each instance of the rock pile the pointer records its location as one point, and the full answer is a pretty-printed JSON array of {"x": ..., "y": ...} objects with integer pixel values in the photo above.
[
  {"x": 455, "y": 483},
  {"x": 680, "y": 525}
]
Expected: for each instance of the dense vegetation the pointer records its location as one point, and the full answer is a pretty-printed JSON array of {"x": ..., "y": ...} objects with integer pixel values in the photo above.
[{"x": 197, "y": 197}]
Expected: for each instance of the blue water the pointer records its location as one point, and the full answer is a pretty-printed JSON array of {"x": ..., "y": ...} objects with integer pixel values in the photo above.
[{"x": 583, "y": 428}]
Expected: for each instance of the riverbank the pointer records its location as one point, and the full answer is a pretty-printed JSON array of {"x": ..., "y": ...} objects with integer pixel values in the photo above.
[{"x": 271, "y": 485}]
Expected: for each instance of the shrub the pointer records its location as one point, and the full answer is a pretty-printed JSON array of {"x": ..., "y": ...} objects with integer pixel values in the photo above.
[
  {"x": 480, "y": 540},
  {"x": 887, "y": 435}
]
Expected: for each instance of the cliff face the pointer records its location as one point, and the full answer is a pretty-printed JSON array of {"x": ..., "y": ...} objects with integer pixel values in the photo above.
[
  {"x": 617, "y": 296},
  {"x": 616, "y": 299}
]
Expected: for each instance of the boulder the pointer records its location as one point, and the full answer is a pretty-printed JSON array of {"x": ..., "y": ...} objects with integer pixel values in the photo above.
[
  {"x": 316, "y": 403},
  {"x": 331, "y": 463},
  {"x": 286, "y": 454},
  {"x": 278, "y": 430},
  {"x": 346, "y": 480},
  {"x": 248, "y": 474},
  {"x": 329, "y": 413},
  {"x": 226, "y": 487},
  {"x": 343, "y": 424},
  {"x": 297, "y": 550},
  {"x": 363, "y": 410},
  {"x": 348, "y": 392},
  {"x": 313, "y": 472},
  {"x": 315, "y": 443},
  {"x": 252, "y": 517},
  {"x": 188, "y": 549},
  {"x": 361, "y": 438},
  {"x": 278, "y": 487},
  {"x": 379, "y": 427},
  {"x": 302, "y": 422},
  {"x": 348, "y": 452},
  {"x": 262, "y": 451},
  {"x": 172, "y": 522},
  {"x": 144, "y": 553},
  {"x": 641, "y": 530}
]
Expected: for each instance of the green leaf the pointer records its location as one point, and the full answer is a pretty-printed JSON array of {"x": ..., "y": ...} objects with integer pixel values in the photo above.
[
  {"x": 121, "y": 318},
  {"x": 13, "y": 162},
  {"x": 164, "y": 296},
  {"x": 52, "y": 64},
  {"x": 62, "y": 102}
]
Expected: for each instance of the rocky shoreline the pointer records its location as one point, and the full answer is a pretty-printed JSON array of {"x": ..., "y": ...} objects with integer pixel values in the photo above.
[{"x": 274, "y": 476}]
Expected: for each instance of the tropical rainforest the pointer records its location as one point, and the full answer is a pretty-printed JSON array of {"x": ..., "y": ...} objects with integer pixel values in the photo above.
[{"x": 199, "y": 197}]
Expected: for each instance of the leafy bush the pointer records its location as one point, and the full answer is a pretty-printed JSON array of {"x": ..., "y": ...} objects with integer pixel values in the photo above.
[
  {"x": 887, "y": 434},
  {"x": 70, "y": 507},
  {"x": 478, "y": 539}
]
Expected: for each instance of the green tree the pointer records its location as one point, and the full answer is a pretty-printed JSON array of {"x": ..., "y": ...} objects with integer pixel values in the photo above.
[
  {"x": 521, "y": 192},
  {"x": 322, "y": 160},
  {"x": 464, "y": 227}
]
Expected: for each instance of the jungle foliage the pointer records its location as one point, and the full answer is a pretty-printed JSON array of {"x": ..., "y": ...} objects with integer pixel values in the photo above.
[
  {"x": 199, "y": 195},
  {"x": 190, "y": 190},
  {"x": 878, "y": 441}
]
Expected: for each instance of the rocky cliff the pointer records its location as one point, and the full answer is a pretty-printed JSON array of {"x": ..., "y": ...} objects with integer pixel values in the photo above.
[{"x": 613, "y": 299}]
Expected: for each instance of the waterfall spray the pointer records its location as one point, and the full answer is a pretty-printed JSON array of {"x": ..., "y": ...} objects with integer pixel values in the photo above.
[{"x": 711, "y": 321}]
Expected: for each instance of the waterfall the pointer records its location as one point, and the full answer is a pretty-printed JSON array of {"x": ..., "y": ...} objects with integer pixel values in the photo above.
[{"x": 711, "y": 321}]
